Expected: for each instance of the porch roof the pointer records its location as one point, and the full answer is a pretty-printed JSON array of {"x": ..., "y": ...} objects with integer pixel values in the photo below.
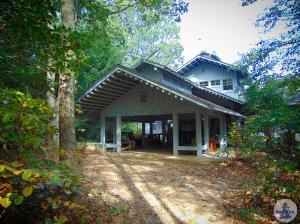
[{"x": 122, "y": 79}]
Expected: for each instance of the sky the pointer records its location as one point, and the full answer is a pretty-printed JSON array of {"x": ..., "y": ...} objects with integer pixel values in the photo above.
[{"x": 220, "y": 26}]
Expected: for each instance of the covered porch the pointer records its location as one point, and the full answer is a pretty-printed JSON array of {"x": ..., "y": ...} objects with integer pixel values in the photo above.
[{"x": 171, "y": 133}]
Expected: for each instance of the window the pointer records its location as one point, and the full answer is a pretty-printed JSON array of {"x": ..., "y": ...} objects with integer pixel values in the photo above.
[
  {"x": 205, "y": 83},
  {"x": 227, "y": 84},
  {"x": 215, "y": 82},
  {"x": 143, "y": 98}
]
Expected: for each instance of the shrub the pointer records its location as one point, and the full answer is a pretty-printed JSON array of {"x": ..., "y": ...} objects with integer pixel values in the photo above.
[
  {"x": 32, "y": 187},
  {"x": 24, "y": 122},
  {"x": 244, "y": 140}
]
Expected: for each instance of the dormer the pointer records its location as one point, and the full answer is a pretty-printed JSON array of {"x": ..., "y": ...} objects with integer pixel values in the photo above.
[{"x": 209, "y": 71}]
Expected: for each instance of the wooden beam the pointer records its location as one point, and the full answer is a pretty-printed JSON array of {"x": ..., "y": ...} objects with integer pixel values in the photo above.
[
  {"x": 101, "y": 92},
  {"x": 101, "y": 97},
  {"x": 115, "y": 87},
  {"x": 126, "y": 80},
  {"x": 112, "y": 90},
  {"x": 123, "y": 82},
  {"x": 96, "y": 101}
]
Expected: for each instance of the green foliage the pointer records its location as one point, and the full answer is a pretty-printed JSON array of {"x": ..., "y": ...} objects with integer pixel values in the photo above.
[
  {"x": 271, "y": 116},
  {"x": 132, "y": 127},
  {"x": 23, "y": 121},
  {"x": 244, "y": 139},
  {"x": 278, "y": 55},
  {"x": 49, "y": 184},
  {"x": 87, "y": 129},
  {"x": 150, "y": 37},
  {"x": 126, "y": 38},
  {"x": 30, "y": 179},
  {"x": 267, "y": 101}
]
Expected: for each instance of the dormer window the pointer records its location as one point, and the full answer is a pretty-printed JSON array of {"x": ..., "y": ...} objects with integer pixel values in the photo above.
[
  {"x": 227, "y": 84},
  {"x": 205, "y": 83},
  {"x": 215, "y": 82}
]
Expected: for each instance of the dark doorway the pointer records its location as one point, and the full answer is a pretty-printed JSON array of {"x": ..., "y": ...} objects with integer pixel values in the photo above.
[
  {"x": 187, "y": 129},
  {"x": 214, "y": 129}
]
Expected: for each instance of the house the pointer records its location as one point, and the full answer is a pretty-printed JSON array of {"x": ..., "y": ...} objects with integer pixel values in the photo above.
[{"x": 184, "y": 110}]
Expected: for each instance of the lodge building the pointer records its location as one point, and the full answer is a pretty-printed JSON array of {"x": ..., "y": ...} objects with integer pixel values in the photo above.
[{"x": 183, "y": 110}]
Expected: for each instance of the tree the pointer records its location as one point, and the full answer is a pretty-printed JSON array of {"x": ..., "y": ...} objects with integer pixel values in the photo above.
[
  {"x": 147, "y": 37},
  {"x": 273, "y": 69},
  {"x": 270, "y": 112},
  {"x": 277, "y": 56}
]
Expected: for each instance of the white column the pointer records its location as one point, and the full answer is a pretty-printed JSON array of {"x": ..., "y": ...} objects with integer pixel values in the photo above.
[
  {"x": 151, "y": 127},
  {"x": 118, "y": 133},
  {"x": 103, "y": 130},
  {"x": 143, "y": 134},
  {"x": 198, "y": 134},
  {"x": 175, "y": 133},
  {"x": 223, "y": 142},
  {"x": 206, "y": 131},
  {"x": 163, "y": 129}
]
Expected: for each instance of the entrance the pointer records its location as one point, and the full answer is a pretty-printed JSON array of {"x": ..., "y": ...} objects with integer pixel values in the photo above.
[
  {"x": 214, "y": 133},
  {"x": 155, "y": 132}
]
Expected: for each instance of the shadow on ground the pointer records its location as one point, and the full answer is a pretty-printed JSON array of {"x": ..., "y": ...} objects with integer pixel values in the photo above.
[{"x": 161, "y": 188}]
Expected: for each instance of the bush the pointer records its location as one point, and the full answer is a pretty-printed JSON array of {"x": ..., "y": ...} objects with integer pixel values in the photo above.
[
  {"x": 32, "y": 187},
  {"x": 245, "y": 140},
  {"x": 24, "y": 122}
]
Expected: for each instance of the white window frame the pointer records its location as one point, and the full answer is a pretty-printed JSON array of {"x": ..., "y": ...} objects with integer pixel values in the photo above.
[
  {"x": 216, "y": 82},
  {"x": 202, "y": 82},
  {"x": 225, "y": 84}
]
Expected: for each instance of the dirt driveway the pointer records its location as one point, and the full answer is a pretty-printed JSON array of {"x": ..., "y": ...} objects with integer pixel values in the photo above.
[{"x": 167, "y": 189}]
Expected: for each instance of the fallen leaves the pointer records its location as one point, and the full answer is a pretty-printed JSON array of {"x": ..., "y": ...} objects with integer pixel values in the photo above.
[{"x": 5, "y": 202}]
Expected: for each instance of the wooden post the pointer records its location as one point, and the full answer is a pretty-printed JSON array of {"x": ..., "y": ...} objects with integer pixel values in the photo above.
[
  {"x": 206, "y": 131},
  {"x": 223, "y": 142},
  {"x": 143, "y": 134},
  {"x": 198, "y": 134},
  {"x": 118, "y": 133},
  {"x": 151, "y": 127},
  {"x": 103, "y": 131},
  {"x": 163, "y": 130},
  {"x": 175, "y": 133}
]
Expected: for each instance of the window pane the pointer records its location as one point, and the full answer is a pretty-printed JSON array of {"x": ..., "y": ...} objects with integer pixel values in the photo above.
[
  {"x": 227, "y": 84},
  {"x": 205, "y": 83},
  {"x": 215, "y": 82}
]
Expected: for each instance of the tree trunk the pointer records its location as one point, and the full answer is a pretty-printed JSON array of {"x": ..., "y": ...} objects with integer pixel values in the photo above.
[
  {"x": 53, "y": 103},
  {"x": 269, "y": 138},
  {"x": 67, "y": 139}
]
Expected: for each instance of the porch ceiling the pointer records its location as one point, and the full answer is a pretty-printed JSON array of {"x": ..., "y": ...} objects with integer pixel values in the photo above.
[{"x": 107, "y": 91}]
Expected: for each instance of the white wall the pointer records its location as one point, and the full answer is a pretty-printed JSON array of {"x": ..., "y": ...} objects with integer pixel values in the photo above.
[
  {"x": 157, "y": 103},
  {"x": 207, "y": 72}
]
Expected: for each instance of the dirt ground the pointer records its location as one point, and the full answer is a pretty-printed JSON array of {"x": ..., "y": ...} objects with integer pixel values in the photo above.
[{"x": 161, "y": 188}]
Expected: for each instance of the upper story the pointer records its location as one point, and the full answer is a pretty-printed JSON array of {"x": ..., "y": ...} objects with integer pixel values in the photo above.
[
  {"x": 188, "y": 84},
  {"x": 208, "y": 71}
]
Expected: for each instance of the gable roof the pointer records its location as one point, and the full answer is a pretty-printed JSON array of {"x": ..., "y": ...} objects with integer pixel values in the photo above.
[
  {"x": 122, "y": 79},
  {"x": 193, "y": 84},
  {"x": 200, "y": 58}
]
